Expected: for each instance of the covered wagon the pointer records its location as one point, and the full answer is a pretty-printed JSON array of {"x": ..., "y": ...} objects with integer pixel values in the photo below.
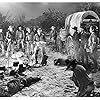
[
  {"x": 84, "y": 20},
  {"x": 81, "y": 20}
]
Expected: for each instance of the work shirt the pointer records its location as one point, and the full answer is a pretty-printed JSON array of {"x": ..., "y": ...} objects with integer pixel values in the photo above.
[
  {"x": 92, "y": 42},
  {"x": 32, "y": 35},
  {"x": 28, "y": 37},
  {"x": 9, "y": 35},
  {"x": 53, "y": 34},
  {"x": 19, "y": 34},
  {"x": 76, "y": 36},
  {"x": 1, "y": 36},
  {"x": 40, "y": 37}
]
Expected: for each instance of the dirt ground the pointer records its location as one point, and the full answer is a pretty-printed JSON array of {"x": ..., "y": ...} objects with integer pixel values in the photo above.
[{"x": 55, "y": 81}]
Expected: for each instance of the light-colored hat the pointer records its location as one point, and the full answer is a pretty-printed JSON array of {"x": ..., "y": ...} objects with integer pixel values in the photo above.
[
  {"x": 28, "y": 29},
  {"x": 75, "y": 28},
  {"x": 10, "y": 28},
  {"x": 62, "y": 29},
  {"x": 52, "y": 27},
  {"x": 0, "y": 30},
  {"x": 19, "y": 27},
  {"x": 39, "y": 30}
]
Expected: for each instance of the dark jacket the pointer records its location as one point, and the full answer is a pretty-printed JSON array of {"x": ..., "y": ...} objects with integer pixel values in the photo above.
[{"x": 40, "y": 37}]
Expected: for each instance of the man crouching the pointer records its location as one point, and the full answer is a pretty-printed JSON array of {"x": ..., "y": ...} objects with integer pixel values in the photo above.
[{"x": 81, "y": 79}]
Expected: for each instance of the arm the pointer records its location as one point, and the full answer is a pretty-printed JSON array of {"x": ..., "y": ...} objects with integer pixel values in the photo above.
[
  {"x": 6, "y": 35},
  {"x": 16, "y": 37},
  {"x": 23, "y": 35}
]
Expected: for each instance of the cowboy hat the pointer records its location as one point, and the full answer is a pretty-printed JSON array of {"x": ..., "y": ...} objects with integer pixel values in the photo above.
[
  {"x": 39, "y": 29},
  {"x": 28, "y": 29},
  {"x": 75, "y": 28},
  {"x": 52, "y": 27},
  {"x": 73, "y": 62},
  {"x": 10, "y": 28},
  {"x": 0, "y": 30}
]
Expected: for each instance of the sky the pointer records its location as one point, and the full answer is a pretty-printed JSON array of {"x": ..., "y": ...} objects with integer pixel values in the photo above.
[{"x": 32, "y": 9}]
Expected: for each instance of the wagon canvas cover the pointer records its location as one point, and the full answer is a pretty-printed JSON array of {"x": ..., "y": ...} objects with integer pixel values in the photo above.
[{"x": 76, "y": 20}]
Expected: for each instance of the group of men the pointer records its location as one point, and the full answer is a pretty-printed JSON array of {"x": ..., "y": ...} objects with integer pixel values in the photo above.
[
  {"x": 82, "y": 46},
  {"x": 86, "y": 43},
  {"x": 29, "y": 40},
  {"x": 18, "y": 39}
]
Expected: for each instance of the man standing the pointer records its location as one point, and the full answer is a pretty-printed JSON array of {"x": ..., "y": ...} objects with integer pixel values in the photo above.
[
  {"x": 81, "y": 79},
  {"x": 2, "y": 41},
  {"x": 83, "y": 47},
  {"x": 92, "y": 43},
  {"x": 39, "y": 39},
  {"x": 9, "y": 38},
  {"x": 28, "y": 39},
  {"x": 20, "y": 37},
  {"x": 32, "y": 34},
  {"x": 76, "y": 38},
  {"x": 53, "y": 34}
]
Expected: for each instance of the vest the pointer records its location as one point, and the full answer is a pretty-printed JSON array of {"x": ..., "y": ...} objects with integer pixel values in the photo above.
[
  {"x": 28, "y": 37},
  {"x": 39, "y": 37},
  {"x": 9, "y": 35},
  {"x": 54, "y": 34},
  {"x": 20, "y": 35},
  {"x": 76, "y": 36}
]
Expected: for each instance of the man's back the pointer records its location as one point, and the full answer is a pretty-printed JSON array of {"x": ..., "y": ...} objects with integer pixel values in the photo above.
[
  {"x": 81, "y": 75},
  {"x": 82, "y": 80}
]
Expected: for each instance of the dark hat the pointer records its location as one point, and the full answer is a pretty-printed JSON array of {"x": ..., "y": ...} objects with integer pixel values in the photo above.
[
  {"x": 20, "y": 65},
  {"x": 15, "y": 64},
  {"x": 95, "y": 27},
  {"x": 75, "y": 28},
  {"x": 52, "y": 27},
  {"x": 71, "y": 63},
  {"x": 19, "y": 25}
]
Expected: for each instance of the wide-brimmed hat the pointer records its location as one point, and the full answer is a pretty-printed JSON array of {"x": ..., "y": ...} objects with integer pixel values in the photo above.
[
  {"x": 62, "y": 29},
  {"x": 94, "y": 28},
  {"x": 73, "y": 62},
  {"x": 28, "y": 29},
  {"x": 75, "y": 28},
  {"x": 0, "y": 30},
  {"x": 39, "y": 30},
  {"x": 52, "y": 27},
  {"x": 10, "y": 28}
]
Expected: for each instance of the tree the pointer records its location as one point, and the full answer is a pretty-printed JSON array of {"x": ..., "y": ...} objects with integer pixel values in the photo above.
[
  {"x": 4, "y": 21},
  {"x": 19, "y": 20},
  {"x": 48, "y": 18},
  {"x": 89, "y": 6},
  {"x": 53, "y": 17}
]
